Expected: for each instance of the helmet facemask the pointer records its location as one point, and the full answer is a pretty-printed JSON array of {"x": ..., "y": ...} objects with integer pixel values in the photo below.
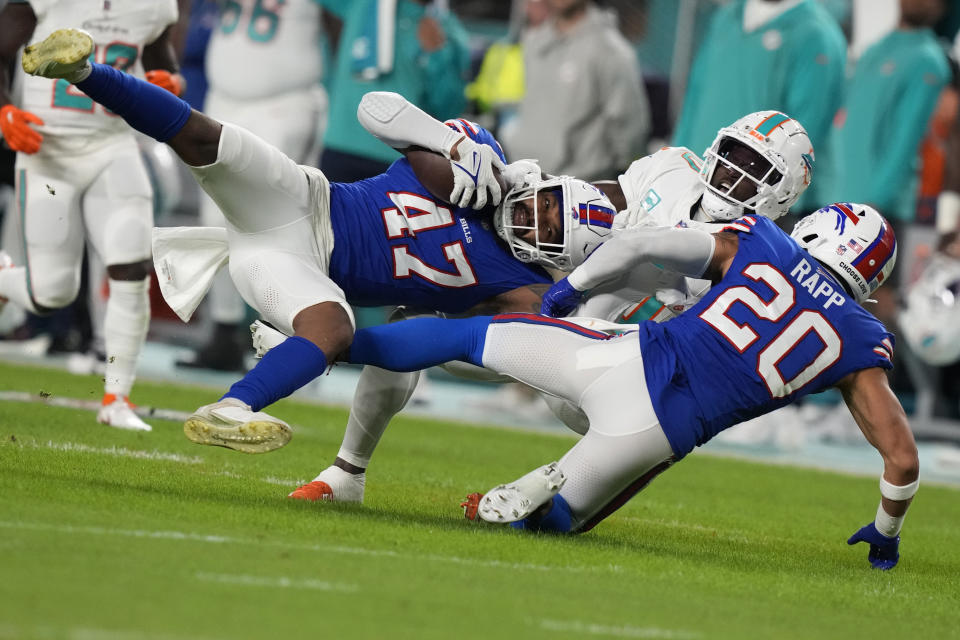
[
  {"x": 783, "y": 147},
  {"x": 737, "y": 177},
  {"x": 584, "y": 220}
]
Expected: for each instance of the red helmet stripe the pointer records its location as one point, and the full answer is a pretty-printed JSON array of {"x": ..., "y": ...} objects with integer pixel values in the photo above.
[{"x": 871, "y": 262}]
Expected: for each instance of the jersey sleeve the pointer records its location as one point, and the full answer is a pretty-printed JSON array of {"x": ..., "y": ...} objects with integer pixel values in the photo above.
[
  {"x": 476, "y": 133},
  {"x": 746, "y": 224},
  {"x": 872, "y": 343}
]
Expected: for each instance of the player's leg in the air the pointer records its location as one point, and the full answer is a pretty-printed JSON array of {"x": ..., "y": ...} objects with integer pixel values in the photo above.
[{"x": 272, "y": 257}]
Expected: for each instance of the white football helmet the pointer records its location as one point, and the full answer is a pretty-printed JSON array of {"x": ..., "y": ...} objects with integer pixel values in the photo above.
[
  {"x": 931, "y": 321},
  {"x": 783, "y": 143},
  {"x": 854, "y": 241},
  {"x": 585, "y": 212}
]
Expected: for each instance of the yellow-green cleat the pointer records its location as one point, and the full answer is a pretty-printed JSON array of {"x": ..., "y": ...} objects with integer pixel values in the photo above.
[
  {"x": 62, "y": 54},
  {"x": 231, "y": 424}
]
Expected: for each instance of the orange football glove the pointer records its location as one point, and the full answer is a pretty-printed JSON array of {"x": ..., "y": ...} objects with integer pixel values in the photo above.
[
  {"x": 172, "y": 82},
  {"x": 20, "y": 136}
]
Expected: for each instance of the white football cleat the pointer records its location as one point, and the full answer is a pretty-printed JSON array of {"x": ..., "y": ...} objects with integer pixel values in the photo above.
[
  {"x": 118, "y": 412},
  {"x": 520, "y": 498},
  {"x": 332, "y": 484},
  {"x": 62, "y": 54},
  {"x": 232, "y": 424}
]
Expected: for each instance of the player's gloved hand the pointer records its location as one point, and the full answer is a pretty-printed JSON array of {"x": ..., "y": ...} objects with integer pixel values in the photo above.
[
  {"x": 521, "y": 173},
  {"x": 473, "y": 172},
  {"x": 560, "y": 299},
  {"x": 884, "y": 551},
  {"x": 16, "y": 129},
  {"x": 172, "y": 82}
]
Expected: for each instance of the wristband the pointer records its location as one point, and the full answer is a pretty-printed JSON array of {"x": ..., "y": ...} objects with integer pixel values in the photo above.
[{"x": 893, "y": 492}]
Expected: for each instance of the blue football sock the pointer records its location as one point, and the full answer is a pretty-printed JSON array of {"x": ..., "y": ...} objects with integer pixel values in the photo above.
[
  {"x": 412, "y": 345},
  {"x": 284, "y": 369},
  {"x": 558, "y": 519},
  {"x": 146, "y": 107}
]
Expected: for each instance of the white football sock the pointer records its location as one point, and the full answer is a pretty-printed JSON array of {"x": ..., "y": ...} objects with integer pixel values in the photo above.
[
  {"x": 125, "y": 329},
  {"x": 380, "y": 395}
]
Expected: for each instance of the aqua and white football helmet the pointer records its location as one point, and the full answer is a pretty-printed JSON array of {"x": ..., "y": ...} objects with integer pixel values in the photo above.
[
  {"x": 783, "y": 143},
  {"x": 854, "y": 241},
  {"x": 930, "y": 323},
  {"x": 585, "y": 213}
]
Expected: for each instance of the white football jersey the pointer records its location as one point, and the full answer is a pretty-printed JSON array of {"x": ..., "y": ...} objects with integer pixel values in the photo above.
[
  {"x": 120, "y": 29},
  {"x": 263, "y": 49},
  {"x": 661, "y": 190}
]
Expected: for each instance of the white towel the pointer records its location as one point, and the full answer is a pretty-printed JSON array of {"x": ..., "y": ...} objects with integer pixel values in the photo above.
[{"x": 186, "y": 259}]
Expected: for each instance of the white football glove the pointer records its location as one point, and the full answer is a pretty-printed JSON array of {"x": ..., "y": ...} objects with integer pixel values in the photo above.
[
  {"x": 473, "y": 172},
  {"x": 521, "y": 173}
]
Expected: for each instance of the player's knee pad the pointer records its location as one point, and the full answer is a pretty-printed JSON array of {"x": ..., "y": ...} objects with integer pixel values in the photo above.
[{"x": 54, "y": 288}]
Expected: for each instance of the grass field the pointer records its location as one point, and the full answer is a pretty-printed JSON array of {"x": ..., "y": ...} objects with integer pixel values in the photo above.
[{"x": 110, "y": 534}]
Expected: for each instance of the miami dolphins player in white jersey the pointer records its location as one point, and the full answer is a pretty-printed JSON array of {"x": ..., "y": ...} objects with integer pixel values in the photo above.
[
  {"x": 781, "y": 321},
  {"x": 301, "y": 249},
  {"x": 264, "y": 67},
  {"x": 80, "y": 176},
  {"x": 762, "y": 163}
]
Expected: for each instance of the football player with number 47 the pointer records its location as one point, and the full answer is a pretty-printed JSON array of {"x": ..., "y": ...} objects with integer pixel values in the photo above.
[
  {"x": 302, "y": 249},
  {"x": 781, "y": 321}
]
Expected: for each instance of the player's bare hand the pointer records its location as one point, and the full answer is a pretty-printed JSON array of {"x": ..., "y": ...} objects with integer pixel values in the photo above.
[
  {"x": 473, "y": 166},
  {"x": 15, "y": 126},
  {"x": 430, "y": 34}
]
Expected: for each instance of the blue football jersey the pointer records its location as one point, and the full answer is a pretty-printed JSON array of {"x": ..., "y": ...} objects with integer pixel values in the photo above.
[
  {"x": 776, "y": 328},
  {"x": 394, "y": 243}
]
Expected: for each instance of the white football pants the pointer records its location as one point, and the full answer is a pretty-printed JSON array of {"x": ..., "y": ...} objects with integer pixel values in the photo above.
[{"x": 625, "y": 447}]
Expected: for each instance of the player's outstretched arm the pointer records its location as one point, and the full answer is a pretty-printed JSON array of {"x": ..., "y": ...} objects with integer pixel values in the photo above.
[
  {"x": 473, "y": 168},
  {"x": 884, "y": 423},
  {"x": 689, "y": 252}
]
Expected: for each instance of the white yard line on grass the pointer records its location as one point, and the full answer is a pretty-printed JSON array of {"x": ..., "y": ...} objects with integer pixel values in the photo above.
[
  {"x": 281, "y": 582},
  {"x": 619, "y": 631},
  {"x": 319, "y": 548},
  {"x": 118, "y": 452},
  {"x": 14, "y": 632}
]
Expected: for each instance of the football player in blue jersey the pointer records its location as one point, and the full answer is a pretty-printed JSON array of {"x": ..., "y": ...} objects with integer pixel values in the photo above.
[
  {"x": 781, "y": 321},
  {"x": 302, "y": 250}
]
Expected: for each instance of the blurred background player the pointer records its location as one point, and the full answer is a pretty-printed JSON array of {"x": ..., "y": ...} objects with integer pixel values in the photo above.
[
  {"x": 417, "y": 48},
  {"x": 787, "y": 55},
  {"x": 264, "y": 66},
  {"x": 578, "y": 59},
  {"x": 80, "y": 176}
]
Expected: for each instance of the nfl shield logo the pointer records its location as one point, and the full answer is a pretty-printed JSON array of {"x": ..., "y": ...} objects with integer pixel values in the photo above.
[{"x": 841, "y": 250}]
